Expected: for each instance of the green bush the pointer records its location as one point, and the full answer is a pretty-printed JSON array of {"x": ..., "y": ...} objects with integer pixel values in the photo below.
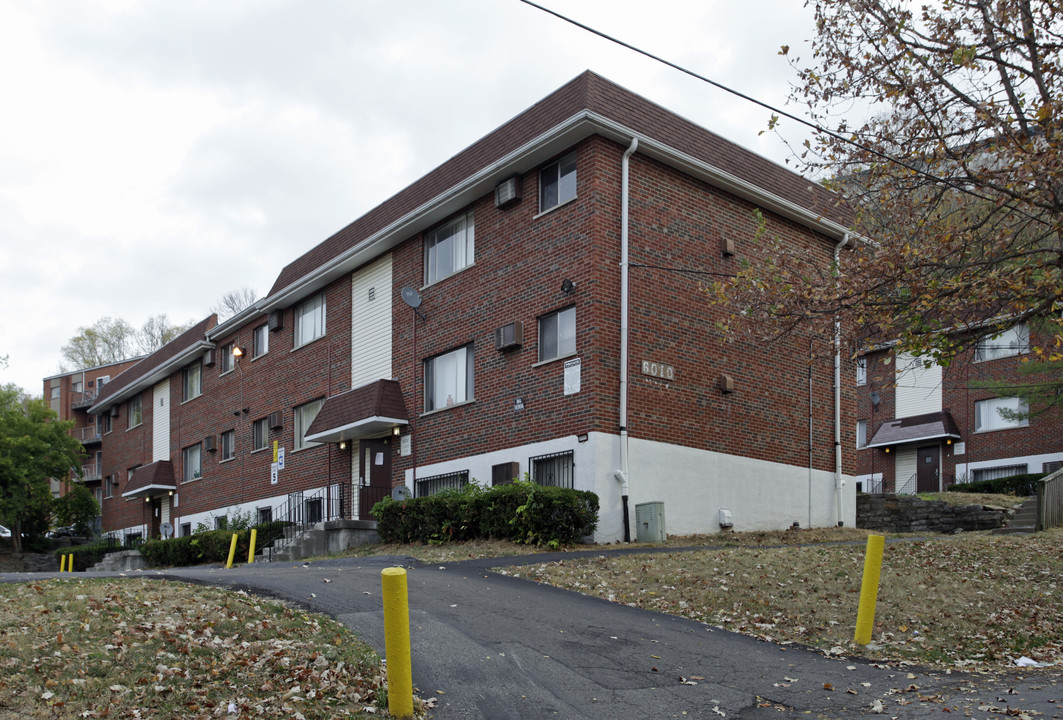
[
  {"x": 522, "y": 511},
  {"x": 211, "y": 546},
  {"x": 85, "y": 556},
  {"x": 1021, "y": 485}
]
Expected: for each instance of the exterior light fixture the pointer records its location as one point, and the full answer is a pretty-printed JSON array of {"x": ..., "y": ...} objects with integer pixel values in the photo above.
[
  {"x": 396, "y": 431},
  {"x": 343, "y": 444},
  {"x": 885, "y": 450},
  {"x": 237, "y": 351},
  {"x": 567, "y": 286},
  {"x": 948, "y": 441}
]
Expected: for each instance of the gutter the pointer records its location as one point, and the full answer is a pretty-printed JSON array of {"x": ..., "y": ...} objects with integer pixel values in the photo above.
[
  {"x": 839, "y": 483},
  {"x": 152, "y": 377},
  {"x": 622, "y": 474}
]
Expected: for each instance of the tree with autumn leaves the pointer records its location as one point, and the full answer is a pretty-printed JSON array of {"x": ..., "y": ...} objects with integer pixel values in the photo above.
[{"x": 944, "y": 135}]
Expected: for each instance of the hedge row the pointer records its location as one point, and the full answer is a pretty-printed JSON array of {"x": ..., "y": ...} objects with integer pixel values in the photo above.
[
  {"x": 521, "y": 511},
  {"x": 1021, "y": 485},
  {"x": 85, "y": 556},
  {"x": 207, "y": 547}
]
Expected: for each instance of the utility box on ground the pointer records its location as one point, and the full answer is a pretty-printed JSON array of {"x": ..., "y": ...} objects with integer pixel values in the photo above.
[{"x": 649, "y": 522}]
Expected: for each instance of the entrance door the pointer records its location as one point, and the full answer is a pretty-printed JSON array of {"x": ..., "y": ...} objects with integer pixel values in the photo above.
[
  {"x": 156, "y": 517},
  {"x": 375, "y": 471},
  {"x": 928, "y": 474}
]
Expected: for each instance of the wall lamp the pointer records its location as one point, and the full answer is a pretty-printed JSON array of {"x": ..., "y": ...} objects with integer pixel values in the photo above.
[
  {"x": 567, "y": 286},
  {"x": 343, "y": 444},
  {"x": 238, "y": 351},
  {"x": 396, "y": 431}
]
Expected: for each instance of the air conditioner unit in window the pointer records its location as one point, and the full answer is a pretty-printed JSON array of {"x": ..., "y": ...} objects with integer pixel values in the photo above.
[
  {"x": 276, "y": 320},
  {"x": 208, "y": 443},
  {"x": 275, "y": 421},
  {"x": 508, "y": 192},
  {"x": 509, "y": 336},
  {"x": 114, "y": 411},
  {"x": 208, "y": 357}
]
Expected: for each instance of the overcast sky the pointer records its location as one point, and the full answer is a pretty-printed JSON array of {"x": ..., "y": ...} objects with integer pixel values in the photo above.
[{"x": 155, "y": 155}]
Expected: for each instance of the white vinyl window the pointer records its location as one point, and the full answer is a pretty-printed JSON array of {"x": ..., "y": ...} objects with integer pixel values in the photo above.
[
  {"x": 557, "y": 334},
  {"x": 261, "y": 340},
  {"x": 448, "y": 379},
  {"x": 304, "y": 415},
  {"x": 192, "y": 382},
  {"x": 310, "y": 320},
  {"x": 228, "y": 445},
  {"x": 1011, "y": 342},
  {"x": 861, "y": 371},
  {"x": 192, "y": 462},
  {"x": 861, "y": 433},
  {"x": 260, "y": 434},
  {"x": 449, "y": 249},
  {"x": 228, "y": 358},
  {"x": 987, "y": 414},
  {"x": 557, "y": 183},
  {"x": 56, "y": 392},
  {"x": 134, "y": 412}
]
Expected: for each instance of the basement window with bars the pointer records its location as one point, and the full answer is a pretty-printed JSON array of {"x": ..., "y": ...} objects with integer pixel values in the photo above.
[
  {"x": 438, "y": 483},
  {"x": 995, "y": 473},
  {"x": 554, "y": 470}
]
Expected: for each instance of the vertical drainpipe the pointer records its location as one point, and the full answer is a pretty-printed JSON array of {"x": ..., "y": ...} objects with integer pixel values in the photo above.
[
  {"x": 622, "y": 474},
  {"x": 838, "y": 482}
]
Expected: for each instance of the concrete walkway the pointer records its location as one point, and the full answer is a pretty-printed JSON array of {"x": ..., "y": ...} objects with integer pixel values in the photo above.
[{"x": 492, "y": 646}]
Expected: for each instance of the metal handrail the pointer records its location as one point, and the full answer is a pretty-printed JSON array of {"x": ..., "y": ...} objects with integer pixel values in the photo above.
[
  {"x": 91, "y": 472},
  {"x": 86, "y": 434},
  {"x": 906, "y": 489},
  {"x": 335, "y": 504}
]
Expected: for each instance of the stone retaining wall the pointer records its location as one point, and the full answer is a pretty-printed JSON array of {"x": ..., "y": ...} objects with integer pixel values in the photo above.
[{"x": 908, "y": 513}]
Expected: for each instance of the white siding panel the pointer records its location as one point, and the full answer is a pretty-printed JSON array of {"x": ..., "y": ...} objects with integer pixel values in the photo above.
[
  {"x": 918, "y": 387},
  {"x": 160, "y": 428},
  {"x": 907, "y": 466},
  {"x": 371, "y": 323}
]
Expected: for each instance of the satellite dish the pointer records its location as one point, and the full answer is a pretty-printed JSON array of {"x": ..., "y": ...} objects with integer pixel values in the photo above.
[
  {"x": 875, "y": 400},
  {"x": 400, "y": 493},
  {"x": 411, "y": 297},
  {"x": 166, "y": 530}
]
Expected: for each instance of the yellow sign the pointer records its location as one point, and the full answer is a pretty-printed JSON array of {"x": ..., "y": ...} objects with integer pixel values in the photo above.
[{"x": 274, "y": 451}]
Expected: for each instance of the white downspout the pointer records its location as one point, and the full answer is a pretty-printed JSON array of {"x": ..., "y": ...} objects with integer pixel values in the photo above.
[
  {"x": 622, "y": 474},
  {"x": 838, "y": 482}
]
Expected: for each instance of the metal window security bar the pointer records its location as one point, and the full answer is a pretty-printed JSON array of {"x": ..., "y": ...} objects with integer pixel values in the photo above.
[
  {"x": 554, "y": 469},
  {"x": 436, "y": 483},
  {"x": 996, "y": 473}
]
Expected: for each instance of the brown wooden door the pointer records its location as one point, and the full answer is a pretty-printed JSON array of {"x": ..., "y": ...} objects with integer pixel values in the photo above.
[
  {"x": 928, "y": 474},
  {"x": 375, "y": 472},
  {"x": 156, "y": 517}
]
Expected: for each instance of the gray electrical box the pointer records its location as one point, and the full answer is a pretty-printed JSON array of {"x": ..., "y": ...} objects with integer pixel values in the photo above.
[{"x": 649, "y": 522}]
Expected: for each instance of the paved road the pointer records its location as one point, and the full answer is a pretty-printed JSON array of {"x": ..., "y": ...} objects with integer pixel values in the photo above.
[{"x": 493, "y": 646}]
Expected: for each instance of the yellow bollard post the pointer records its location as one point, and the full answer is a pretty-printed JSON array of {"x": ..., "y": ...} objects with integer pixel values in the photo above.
[
  {"x": 70, "y": 563},
  {"x": 62, "y": 563},
  {"x": 397, "y": 642},
  {"x": 232, "y": 553},
  {"x": 251, "y": 550},
  {"x": 865, "y": 616}
]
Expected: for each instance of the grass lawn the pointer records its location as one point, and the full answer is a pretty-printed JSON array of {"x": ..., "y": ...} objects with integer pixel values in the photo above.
[{"x": 130, "y": 648}]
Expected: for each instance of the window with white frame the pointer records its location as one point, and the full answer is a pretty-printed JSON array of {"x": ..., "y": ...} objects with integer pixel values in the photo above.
[
  {"x": 108, "y": 486},
  {"x": 310, "y": 320},
  {"x": 192, "y": 383},
  {"x": 557, "y": 334},
  {"x": 228, "y": 358},
  {"x": 988, "y": 416},
  {"x": 861, "y": 433},
  {"x": 130, "y": 473},
  {"x": 134, "y": 412},
  {"x": 228, "y": 445},
  {"x": 108, "y": 423},
  {"x": 192, "y": 463},
  {"x": 448, "y": 379},
  {"x": 304, "y": 415},
  {"x": 861, "y": 371},
  {"x": 56, "y": 392},
  {"x": 557, "y": 183},
  {"x": 449, "y": 248},
  {"x": 260, "y": 434},
  {"x": 1011, "y": 342},
  {"x": 261, "y": 340}
]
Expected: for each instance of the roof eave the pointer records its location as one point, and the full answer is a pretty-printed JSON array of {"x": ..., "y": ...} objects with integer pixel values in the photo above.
[{"x": 148, "y": 379}]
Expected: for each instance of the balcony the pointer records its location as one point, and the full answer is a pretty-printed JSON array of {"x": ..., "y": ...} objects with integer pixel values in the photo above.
[
  {"x": 80, "y": 400},
  {"x": 87, "y": 435},
  {"x": 92, "y": 472}
]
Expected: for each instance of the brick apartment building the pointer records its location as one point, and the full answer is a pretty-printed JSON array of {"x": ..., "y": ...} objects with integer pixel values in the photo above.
[
  {"x": 922, "y": 429},
  {"x": 567, "y": 246}
]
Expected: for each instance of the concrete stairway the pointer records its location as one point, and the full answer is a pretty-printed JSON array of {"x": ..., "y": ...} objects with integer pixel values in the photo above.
[
  {"x": 331, "y": 536},
  {"x": 121, "y": 561},
  {"x": 1023, "y": 522}
]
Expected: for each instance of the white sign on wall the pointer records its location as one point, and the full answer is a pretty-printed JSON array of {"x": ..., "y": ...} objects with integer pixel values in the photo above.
[
  {"x": 274, "y": 471},
  {"x": 572, "y": 376},
  {"x": 406, "y": 445},
  {"x": 280, "y": 458}
]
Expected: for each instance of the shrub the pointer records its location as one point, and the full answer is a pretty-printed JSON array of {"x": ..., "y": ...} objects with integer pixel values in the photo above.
[
  {"x": 85, "y": 556},
  {"x": 1021, "y": 485},
  {"x": 522, "y": 511},
  {"x": 211, "y": 546}
]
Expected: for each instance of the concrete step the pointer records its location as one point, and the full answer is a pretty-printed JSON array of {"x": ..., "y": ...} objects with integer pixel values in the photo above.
[{"x": 1023, "y": 522}]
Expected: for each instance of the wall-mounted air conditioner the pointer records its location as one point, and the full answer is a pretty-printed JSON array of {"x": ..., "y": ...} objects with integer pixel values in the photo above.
[
  {"x": 276, "y": 320},
  {"x": 275, "y": 421},
  {"x": 208, "y": 357},
  {"x": 505, "y": 473},
  {"x": 114, "y": 411},
  {"x": 509, "y": 336},
  {"x": 208, "y": 443},
  {"x": 508, "y": 192}
]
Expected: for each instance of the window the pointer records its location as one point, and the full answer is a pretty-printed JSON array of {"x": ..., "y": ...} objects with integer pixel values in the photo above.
[
  {"x": 304, "y": 415},
  {"x": 437, "y": 483},
  {"x": 861, "y": 371},
  {"x": 449, "y": 249},
  {"x": 192, "y": 385},
  {"x": 108, "y": 423},
  {"x": 555, "y": 469},
  {"x": 557, "y": 183},
  {"x": 186, "y": 529},
  {"x": 221, "y": 522},
  {"x": 228, "y": 359},
  {"x": 995, "y": 473},
  {"x": 861, "y": 433},
  {"x": 261, "y": 340},
  {"x": 314, "y": 510},
  {"x": 1011, "y": 342},
  {"x": 130, "y": 473},
  {"x": 265, "y": 515},
  {"x": 448, "y": 379},
  {"x": 193, "y": 468},
  {"x": 987, "y": 414},
  {"x": 108, "y": 486},
  {"x": 260, "y": 434},
  {"x": 76, "y": 386},
  {"x": 557, "y": 334},
  {"x": 56, "y": 392},
  {"x": 133, "y": 412},
  {"x": 310, "y": 320},
  {"x": 228, "y": 445}
]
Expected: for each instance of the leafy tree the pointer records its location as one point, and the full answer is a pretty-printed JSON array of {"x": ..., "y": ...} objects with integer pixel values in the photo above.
[
  {"x": 77, "y": 508},
  {"x": 111, "y": 340},
  {"x": 234, "y": 301},
  {"x": 1040, "y": 388},
  {"x": 963, "y": 234},
  {"x": 34, "y": 447}
]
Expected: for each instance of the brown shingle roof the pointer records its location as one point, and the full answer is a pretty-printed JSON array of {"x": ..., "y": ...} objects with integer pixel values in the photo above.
[
  {"x": 587, "y": 92},
  {"x": 361, "y": 412},
  {"x": 156, "y": 476},
  {"x": 930, "y": 426}
]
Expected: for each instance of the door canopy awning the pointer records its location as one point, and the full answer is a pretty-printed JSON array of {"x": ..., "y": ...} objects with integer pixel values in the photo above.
[
  {"x": 373, "y": 410},
  {"x": 151, "y": 480},
  {"x": 916, "y": 429}
]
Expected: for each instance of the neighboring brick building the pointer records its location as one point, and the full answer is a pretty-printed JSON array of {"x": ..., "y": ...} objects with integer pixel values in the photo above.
[
  {"x": 922, "y": 429},
  {"x": 512, "y": 253}
]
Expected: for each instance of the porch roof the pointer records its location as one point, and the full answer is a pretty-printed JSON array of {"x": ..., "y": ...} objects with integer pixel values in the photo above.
[
  {"x": 364, "y": 412},
  {"x": 915, "y": 429},
  {"x": 154, "y": 479}
]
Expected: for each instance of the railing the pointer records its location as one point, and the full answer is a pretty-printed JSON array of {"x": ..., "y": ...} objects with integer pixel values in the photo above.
[
  {"x": 910, "y": 486},
  {"x": 871, "y": 486},
  {"x": 87, "y": 435},
  {"x": 447, "y": 481},
  {"x": 91, "y": 472},
  {"x": 82, "y": 399},
  {"x": 1050, "y": 501},
  {"x": 303, "y": 510}
]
